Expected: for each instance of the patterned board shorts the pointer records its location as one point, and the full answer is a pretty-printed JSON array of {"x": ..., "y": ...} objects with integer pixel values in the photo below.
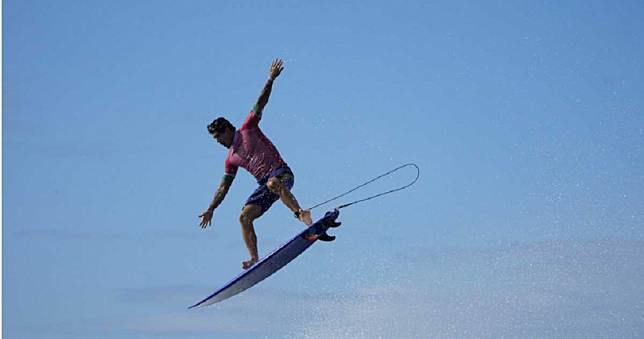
[{"x": 263, "y": 197}]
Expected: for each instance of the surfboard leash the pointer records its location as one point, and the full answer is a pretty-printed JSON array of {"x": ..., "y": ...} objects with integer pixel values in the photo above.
[{"x": 369, "y": 182}]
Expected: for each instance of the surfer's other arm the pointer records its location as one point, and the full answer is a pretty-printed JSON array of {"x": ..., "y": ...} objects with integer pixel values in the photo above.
[
  {"x": 220, "y": 194},
  {"x": 276, "y": 68}
]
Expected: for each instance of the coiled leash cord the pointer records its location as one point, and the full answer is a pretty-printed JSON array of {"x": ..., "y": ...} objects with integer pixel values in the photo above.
[{"x": 369, "y": 182}]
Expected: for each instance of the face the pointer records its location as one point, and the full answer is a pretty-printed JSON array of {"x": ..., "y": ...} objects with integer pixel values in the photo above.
[{"x": 225, "y": 138}]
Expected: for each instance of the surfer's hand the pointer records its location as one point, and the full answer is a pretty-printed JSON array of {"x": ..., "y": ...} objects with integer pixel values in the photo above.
[
  {"x": 206, "y": 218},
  {"x": 276, "y": 68}
]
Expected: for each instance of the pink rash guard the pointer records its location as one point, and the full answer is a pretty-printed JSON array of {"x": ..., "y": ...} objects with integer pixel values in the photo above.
[{"x": 252, "y": 150}]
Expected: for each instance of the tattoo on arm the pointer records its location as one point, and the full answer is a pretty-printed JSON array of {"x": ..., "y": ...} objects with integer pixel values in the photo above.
[
  {"x": 263, "y": 98},
  {"x": 221, "y": 192}
]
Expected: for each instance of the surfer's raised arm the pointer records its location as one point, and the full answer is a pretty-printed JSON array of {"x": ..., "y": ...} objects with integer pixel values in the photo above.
[
  {"x": 276, "y": 68},
  {"x": 220, "y": 194}
]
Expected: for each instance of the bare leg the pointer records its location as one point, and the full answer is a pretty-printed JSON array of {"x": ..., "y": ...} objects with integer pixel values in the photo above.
[
  {"x": 276, "y": 186},
  {"x": 248, "y": 215}
]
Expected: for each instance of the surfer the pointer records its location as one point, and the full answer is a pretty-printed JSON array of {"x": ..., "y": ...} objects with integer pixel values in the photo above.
[{"x": 250, "y": 149}]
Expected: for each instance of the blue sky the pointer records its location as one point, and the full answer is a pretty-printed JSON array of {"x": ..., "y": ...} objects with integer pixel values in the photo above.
[{"x": 525, "y": 119}]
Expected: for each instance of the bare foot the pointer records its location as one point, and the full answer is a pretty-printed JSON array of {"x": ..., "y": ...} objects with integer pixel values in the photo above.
[
  {"x": 248, "y": 263},
  {"x": 305, "y": 217}
]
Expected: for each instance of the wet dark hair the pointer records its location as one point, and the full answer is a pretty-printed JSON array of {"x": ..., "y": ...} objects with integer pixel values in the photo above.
[{"x": 219, "y": 125}]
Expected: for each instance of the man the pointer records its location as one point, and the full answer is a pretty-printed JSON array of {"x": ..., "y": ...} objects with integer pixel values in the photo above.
[{"x": 250, "y": 149}]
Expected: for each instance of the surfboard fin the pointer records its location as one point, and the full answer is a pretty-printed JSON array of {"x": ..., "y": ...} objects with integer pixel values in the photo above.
[{"x": 326, "y": 237}]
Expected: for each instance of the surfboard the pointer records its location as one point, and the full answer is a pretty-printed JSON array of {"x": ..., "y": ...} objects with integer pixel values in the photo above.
[{"x": 272, "y": 262}]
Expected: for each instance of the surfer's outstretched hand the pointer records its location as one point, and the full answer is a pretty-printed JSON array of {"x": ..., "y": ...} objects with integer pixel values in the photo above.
[
  {"x": 206, "y": 218},
  {"x": 276, "y": 68}
]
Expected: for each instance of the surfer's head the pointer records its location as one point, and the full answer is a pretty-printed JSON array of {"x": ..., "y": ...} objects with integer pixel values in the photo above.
[{"x": 222, "y": 131}]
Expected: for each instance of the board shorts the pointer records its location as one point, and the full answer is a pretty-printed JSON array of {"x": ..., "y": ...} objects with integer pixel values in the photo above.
[{"x": 262, "y": 196}]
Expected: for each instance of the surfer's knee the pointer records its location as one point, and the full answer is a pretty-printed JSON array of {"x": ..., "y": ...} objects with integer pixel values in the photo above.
[
  {"x": 245, "y": 219},
  {"x": 274, "y": 185},
  {"x": 248, "y": 214}
]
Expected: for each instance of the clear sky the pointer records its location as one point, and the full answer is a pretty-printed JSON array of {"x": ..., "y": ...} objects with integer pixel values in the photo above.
[{"x": 526, "y": 118}]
